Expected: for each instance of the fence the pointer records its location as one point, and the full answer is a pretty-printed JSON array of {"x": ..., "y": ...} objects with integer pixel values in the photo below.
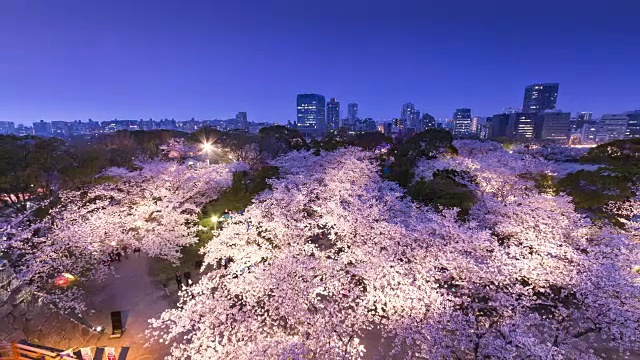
[{"x": 15, "y": 351}]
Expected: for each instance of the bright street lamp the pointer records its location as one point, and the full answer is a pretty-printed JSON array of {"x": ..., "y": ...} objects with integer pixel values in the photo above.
[{"x": 207, "y": 147}]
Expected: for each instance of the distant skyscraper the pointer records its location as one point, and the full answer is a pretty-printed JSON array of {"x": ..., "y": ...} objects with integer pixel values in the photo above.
[
  {"x": 583, "y": 117},
  {"x": 521, "y": 125},
  {"x": 462, "y": 121},
  {"x": 7, "y": 127},
  {"x": 60, "y": 128},
  {"x": 428, "y": 121},
  {"x": 388, "y": 128},
  {"x": 474, "y": 124},
  {"x": 499, "y": 125},
  {"x": 333, "y": 114},
  {"x": 352, "y": 116},
  {"x": 410, "y": 117},
  {"x": 540, "y": 97},
  {"x": 311, "y": 113},
  {"x": 241, "y": 121},
  {"x": 553, "y": 125},
  {"x": 589, "y": 132},
  {"x": 369, "y": 125},
  {"x": 398, "y": 123},
  {"x": 42, "y": 128},
  {"x": 633, "y": 126},
  {"x": 612, "y": 127}
]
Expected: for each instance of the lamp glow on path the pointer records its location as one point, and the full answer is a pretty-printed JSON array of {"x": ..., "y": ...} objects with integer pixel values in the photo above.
[{"x": 214, "y": 220}]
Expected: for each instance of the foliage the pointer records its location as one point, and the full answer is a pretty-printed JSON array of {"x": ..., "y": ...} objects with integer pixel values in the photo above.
[
  {"x": 29, "y": 168},
  {"x": 278, "y": 139},
  {"x": 334, "y": 262},
  {"x": 545, "y": 183},
  {"x": 443, "y": 190},
  {"x": 239, "y": 195},
  {"x": 335, "y": 141},
  {"x": 592, "y": 190},
  {"x": 425, "y": 145},
  {"x": 617, "y": 153},
  {"x": 154, "y": 208}
]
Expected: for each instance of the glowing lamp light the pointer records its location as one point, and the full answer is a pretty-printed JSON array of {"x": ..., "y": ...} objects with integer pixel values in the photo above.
[
  {"x": 64, "y": 279},
  {"x": 207, "y": 147},
  {"x": 214, "y": 218},
  {"x": 61, "y": 281}
]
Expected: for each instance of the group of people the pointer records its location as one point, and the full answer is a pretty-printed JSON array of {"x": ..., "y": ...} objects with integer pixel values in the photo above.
[
  {"x": 187, "y": 280},
  {"x": 117, "y": 253}
]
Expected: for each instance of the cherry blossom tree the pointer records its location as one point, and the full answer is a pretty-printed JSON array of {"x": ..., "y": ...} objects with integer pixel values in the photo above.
[
  {"x": 335, "y": 262},
  {"x": 177, "y": 148},
  {"x": 154, "y": 208}
]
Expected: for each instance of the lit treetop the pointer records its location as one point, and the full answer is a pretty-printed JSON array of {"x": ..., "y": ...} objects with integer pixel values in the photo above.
[
  {"x": 154, "y": 208},
  {"x": 334, "y": 261}
]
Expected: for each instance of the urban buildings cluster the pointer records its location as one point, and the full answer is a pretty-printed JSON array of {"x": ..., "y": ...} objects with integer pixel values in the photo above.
[
  {"x": 67, "y": 129},
  {"x": 537, "y": 119}
]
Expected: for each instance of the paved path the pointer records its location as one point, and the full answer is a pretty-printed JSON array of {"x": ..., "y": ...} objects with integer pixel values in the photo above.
[
  {"x": 133, "y": 291},
  {"x": 139, "y": 297}
]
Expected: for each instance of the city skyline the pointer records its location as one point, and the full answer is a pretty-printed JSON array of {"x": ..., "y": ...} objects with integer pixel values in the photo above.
[{"x": 78, "y": 60}]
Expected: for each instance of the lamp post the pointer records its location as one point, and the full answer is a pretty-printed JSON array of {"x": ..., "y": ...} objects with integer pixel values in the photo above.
[{"x": 207, "y": 147}]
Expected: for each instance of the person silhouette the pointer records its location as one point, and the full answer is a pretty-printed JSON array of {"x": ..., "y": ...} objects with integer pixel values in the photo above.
[{"x": 179, "y": 281}]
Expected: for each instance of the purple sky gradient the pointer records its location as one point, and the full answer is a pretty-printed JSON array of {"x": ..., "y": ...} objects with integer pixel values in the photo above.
[{"x": 130, "y": 59}]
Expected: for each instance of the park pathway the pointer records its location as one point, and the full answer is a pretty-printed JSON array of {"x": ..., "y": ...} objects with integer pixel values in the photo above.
[{"x": 133, "y": 291}]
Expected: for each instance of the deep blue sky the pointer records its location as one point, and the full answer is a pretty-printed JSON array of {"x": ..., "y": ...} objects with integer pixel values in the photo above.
[{"x": 68, "y": 59}]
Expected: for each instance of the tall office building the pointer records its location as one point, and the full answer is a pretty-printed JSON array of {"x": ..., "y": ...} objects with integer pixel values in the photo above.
[
  {"x": 60, "y": 129},
  {"x": 42, "y": 128},
  {"x": 583, "y": 117},
  {"x": 462, "y": 121},
  {"x": 333, "y": 114},
  {"x": 589, "y": 132},
  {"x": 612, "y": 127},
  {"x": 311, "y": 114},
  {"x": 241, "y": 121},
  {"x": 540, "y": 97},
  {"x": 428, "y": 121},
  {"x": 369, "y": 125},
  {"x": 410, "y": 117},
  {"x": 521, "y": 125},
  {"x": 499, "y": 125},
  {"x": 553, "y": 125},
  {"x": 7, "y": 127},
  {"x": 352, "y": 115},
  {"x": 633, "y": 126}
]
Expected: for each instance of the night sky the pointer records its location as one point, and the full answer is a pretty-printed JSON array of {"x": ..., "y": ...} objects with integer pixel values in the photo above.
[{"x": 130, "y": 59}]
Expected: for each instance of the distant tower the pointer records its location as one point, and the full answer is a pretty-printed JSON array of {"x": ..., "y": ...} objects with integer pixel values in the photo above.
[
  {"x": 241, "y": 121},
  {"x": 462, "y": 121},
  {"x": 553, "y": 125},
  {"x": 612, "y": 127},
  {"x": 311, "y": 113},
  {"x": 410, "y": 117},
  {"x": 633, "y": 126},
  {"x": 333, "y": 114},
  {"x": 583, "y": 118},
  {"x": 540, "y": 97},
  {"x": 352, "y": 116},
  {"x": 428, "y": 121}
]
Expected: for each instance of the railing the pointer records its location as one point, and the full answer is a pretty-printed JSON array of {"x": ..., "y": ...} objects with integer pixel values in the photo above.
[{"x": 15, "y": 351}]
